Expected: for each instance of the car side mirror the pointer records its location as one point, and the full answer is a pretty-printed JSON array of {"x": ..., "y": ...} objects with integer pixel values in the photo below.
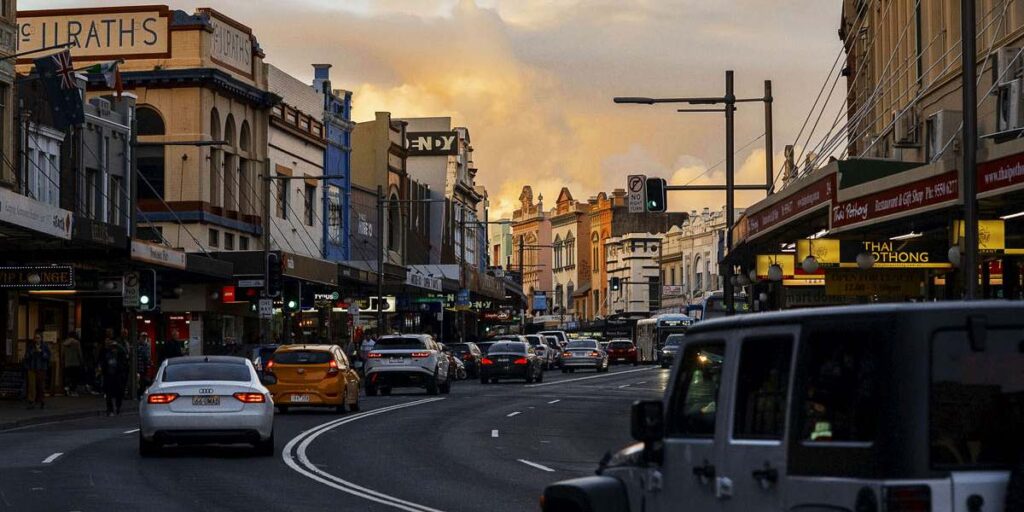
[
  {"x": 648, "y": 421},
  {"x": 268, "y": 379}
]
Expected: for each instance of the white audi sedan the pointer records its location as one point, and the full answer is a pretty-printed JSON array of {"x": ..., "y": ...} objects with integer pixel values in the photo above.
[{"x": 207, "y": 399}]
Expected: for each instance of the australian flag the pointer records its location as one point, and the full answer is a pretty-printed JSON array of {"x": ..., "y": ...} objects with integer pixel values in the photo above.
[{"x": 58, "y": 76}]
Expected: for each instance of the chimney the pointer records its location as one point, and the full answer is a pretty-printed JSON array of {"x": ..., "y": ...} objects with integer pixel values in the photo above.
[{"x": 322, "y": 78}]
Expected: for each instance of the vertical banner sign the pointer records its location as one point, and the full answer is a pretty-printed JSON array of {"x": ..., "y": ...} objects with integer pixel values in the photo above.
[{"x": 636, "y": 196}]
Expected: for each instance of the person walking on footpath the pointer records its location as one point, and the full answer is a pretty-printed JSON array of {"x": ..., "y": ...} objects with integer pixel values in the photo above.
[
  {"x": 71, "y": 360},
  {"x": 143, "y": 356},
  {"x": 114, "y": 370},
  {"x": 36, "y": 362}
]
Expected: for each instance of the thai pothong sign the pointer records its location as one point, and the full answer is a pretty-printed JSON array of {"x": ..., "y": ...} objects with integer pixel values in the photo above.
[
  {"x": 914, "y": 197},
  {"x": 38, "y": 277},
  {"x": 35, "y": 215},
  {"x": 802, "y": 201},
  {"x": 98, "y": 33},
  {"x": 1001, "y": 175}
]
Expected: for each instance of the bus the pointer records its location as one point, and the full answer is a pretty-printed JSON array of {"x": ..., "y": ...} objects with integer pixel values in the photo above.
[
  {"x": 712, "y": 305},
  {"x": 651, "y": 334}
]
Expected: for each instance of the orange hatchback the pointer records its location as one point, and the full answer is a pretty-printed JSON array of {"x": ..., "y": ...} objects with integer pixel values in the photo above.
[{"x": 313, "y": 376}]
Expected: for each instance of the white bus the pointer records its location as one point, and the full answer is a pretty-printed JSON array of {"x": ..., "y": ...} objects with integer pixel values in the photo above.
[{"x": 651, "y": 334}]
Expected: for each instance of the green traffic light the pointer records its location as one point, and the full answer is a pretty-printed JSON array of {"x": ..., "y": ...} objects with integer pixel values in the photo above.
[
  {"x": 144, "y": 299},
  {"x": 291, "y": 304}
]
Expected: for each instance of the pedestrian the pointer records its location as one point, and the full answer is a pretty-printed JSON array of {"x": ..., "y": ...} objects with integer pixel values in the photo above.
[
  {"x": 368, "y": 344},
  {"x": 36, "y": 362},
  {"x": 143, "y": 358},
  {"x": 72, "y": 362},
  {"x": 114, "y": 369}
]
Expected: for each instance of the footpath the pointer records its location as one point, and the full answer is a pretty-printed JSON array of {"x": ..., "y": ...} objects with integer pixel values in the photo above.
[{"x": 15, "y": 413}]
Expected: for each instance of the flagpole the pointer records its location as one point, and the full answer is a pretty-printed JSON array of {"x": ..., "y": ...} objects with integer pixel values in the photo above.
[{"x": 38, "y": 50}]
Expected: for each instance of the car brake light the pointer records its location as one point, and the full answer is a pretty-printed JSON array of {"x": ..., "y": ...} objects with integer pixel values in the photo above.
[
  {"x": 161, "y": 398},
  {"x": 374, "y": 355},
  {"x": 566, "y": 354},
  {"x": 632, "y": 349},
  {"x": 332, "y": 368},
  {"x": 420, "y": 354},
  {"x": 269, "y": 365},
  {"x": 467, "y": 357},
  {"x": 250, "y": 398},
  {"x": 908, "y": 498},
  {"x": 595, "y": 354},
  {"x": 521, "y": 360},
  {"x": 486, "y": 362}
]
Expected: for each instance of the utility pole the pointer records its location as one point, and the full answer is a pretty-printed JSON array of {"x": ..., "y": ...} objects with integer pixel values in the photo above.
[
  {"x": 969, "y": 57},
  {"x": 463, "y": 284},
  {"x": 730, "y": 189},
  {"x": 522, "y": 283},
  {"x": 380, "y": 258},
  {"x": 769, "y": 144},
  {"x": 267, "y": 183}
]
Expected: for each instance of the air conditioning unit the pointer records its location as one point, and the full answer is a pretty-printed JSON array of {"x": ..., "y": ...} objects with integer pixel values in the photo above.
[
  {"x": 905, "y": 129},
  {"x": 941, "y": 129},
  {"x": 1006, "y": 65},
  {"x": 1008, "y": 106}
]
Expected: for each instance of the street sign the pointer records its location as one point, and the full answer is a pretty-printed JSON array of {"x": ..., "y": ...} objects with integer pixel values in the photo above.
[
  {"x": 130, "y": 290},
  {"x": 250, "y": 283},
  {"x": 266, "y": 308},
  {"x": 636, "y": 197}
]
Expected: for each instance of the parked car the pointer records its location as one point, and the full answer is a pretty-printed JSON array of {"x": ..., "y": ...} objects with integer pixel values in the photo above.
[
  {"x": 469, "y": 354},
  {"x": 891, "y": 407},
  {"x": 623, "y": 350},
  {"x": 313, "y": 376},
  {"x": 207, "y": 399},
  {"x": 670, "y": 350},
  {"x": 562, "y": 338},
  {"x": 543, "y": 351},
  {"x": 584, "y": 353},
  {"x": 484, "y": 345},
  {"x": 604, "y": 345},
  {"x": 511, "y": 360},
  {"x": 407, "y": 360},
  {"x": 556, "y": 347}
]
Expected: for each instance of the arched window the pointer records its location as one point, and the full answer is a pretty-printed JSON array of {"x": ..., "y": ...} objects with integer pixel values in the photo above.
[
  {"x": 697, "y": 277},
  {"x": 558, "y": 251},
  {"x": 216, "y": 177},
  {"x": 570, "y": 251},
  {"x": 569, "y": 290},
  {"x": 231, "y": 165},
  {"x": 558, "y": 297},
  {"x": 595, "y": 248},
  {"x": 150, "y": 158}
]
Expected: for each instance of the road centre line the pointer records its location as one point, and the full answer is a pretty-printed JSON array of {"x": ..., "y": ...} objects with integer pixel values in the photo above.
[
  {"x": 52, "y": 457},
  {"x": 535, "y": 465},
  {"x": 624, "y": 386},
  {"x": 598, "y": 376},
  {"x": 554, "y": 401},
  {"x": 301, "y": 464},
  {"x": 132, "y": 431},
  {"x": 513, "y": 413},
  {"x": 494, "y": 433}
]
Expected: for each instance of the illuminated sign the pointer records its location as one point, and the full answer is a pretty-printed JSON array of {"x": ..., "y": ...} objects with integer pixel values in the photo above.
[
  {"x": 802, "y": 201},
  {"x": 824, "y": 250},
  {"x": 832, "y": 253},
  {"x": 765, "y": 261},
  {"x": 991, "y": 235},
  {"x": 865, "y": 283},
  {"x": 913, "y": 197},
  {"x": 99, "y": 33},
  {"x": 38, "y": 276}
]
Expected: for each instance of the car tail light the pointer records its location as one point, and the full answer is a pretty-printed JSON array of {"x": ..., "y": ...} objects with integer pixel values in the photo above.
[
  {"x": 374, "y": 355},
  {"x": 632, "y": 349},
  {"x": 486, "y": 362},
  {"x": 420, "y": 354},
  {"x": 467, "y": 357},
  {"x": 566, "y": 354},
  {"x": 269, "y": 365},
  {"x": 595, "y": 354},
  {"x": 250, "y": 398},
  {"x": 161, "y": 398},
  {"x": 908, "y": 498},
  {"x": 332, "y": 368},
  {"x": 521, "y": 360}
]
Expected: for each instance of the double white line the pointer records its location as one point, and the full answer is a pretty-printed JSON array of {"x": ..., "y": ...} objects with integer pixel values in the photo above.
[{"x": 294, "y": 455}]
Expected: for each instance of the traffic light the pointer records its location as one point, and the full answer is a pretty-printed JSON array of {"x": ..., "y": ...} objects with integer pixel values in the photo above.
[
  {"x": 291, "y": 296},
  {"x": 149, "y": 294},
  {"x": 273, "y": 284},
  {"x": 656, "y": 195},
  {"x": 614, "y": 284}
]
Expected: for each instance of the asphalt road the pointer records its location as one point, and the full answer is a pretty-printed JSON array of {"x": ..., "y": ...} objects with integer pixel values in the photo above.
[{"x": 481, "y": 448}]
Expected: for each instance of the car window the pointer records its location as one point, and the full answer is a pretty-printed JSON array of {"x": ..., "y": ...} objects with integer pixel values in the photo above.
[
  {"x": 694, "y": 403},
  {"x": 302, "y": 357},
  {"x": 401, "y": 344},
  {"x": 534, "y": 340},
  {"x": 762, "y": 387},
  {"x": 204, "y": 371},
  {"x": 513, "y": 347},
  {"x": 620, "y": 344},
  {"x": 582, "y": 344},
  {"x": 674, "y": 339},
  {"x": 839, "y": 399},
  {"x": 977, "y": 399}
]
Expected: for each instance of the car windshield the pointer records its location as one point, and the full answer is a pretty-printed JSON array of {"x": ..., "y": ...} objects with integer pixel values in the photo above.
[
  {"x": 674, "y": 340},
  {"x": 459, "y": 347},
  {"x": 399, "y": 344},
  {"x": 204, "y": 371},
  {"x": 302, "y": 357},
  {"x": 620, "y": 344},
  {"x": 591, "y": 344},
  {"x": 508, "y": 348}
]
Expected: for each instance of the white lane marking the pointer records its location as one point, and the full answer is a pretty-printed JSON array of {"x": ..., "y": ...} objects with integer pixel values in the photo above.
[
  {"x": 598, "y": 376},
  {"x": 301, "y": 464},
  {"x": 624, "y": 386},
  {"x": 52, "y": 458},
  {"x": 538, "y": 466},
  {"x": 641, "y": 382},
  {"x": 494, "y": 433},
  {"x": 132, "y": 431},
  {"x": 513, "y": 413},
  {"x": 555, "y": 401}
]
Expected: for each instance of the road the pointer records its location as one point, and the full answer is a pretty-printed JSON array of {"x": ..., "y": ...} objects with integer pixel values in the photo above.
[{"x": 482, "y": 448}]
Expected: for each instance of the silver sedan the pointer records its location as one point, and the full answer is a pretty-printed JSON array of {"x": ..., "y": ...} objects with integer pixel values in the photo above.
[
  {"x": 207, "y": 399},
  {"x": 584, "y": 353}
]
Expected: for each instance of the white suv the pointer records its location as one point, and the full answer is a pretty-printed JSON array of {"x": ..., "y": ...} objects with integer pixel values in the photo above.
[{"x": 407, "y": 360}]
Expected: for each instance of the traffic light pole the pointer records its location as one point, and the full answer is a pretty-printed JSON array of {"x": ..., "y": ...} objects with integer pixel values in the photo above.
[
  {"x": 380, "y": 259},
  {"x": 265, "y": 322}
]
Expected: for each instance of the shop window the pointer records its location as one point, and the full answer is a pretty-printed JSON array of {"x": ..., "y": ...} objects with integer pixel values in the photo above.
[
  {"x": 150, "y": 159},
  {"x": 214, "y": 238},
  {"x": 309, "y": 203},
  {"x": 762, "y": 388},
  {"x": 282, "y": 199}
]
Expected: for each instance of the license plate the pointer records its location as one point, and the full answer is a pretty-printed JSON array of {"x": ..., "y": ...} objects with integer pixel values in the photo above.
[
  {"x": 300, "y": 398},
  {"x": 206, "y": 400},
  {"x": 396, "y": 361}
]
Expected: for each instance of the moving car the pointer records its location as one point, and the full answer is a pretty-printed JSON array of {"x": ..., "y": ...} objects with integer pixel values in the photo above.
[
  {"x": 543, "y": 351},
  {"x": 511, "y": 360},
  {"x": 621, "y": 350},
  {"x": 407, "y": 360},
  {"x": 207, "y": 399},
  {"x": 470, "y": 355},
  {"x": 584, "y": 353},
  {"x": 561, "y": 336},
  {"x": 313, "y": 376},
  {"x": 556, "y": 347},
  {"x": 670, "y": 350},
  {"x": 260, "y": 354},
  {"x": 894, "y": 407}
]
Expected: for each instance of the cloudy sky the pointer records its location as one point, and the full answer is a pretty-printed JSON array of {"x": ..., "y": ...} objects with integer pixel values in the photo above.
[{"x": 533, "y": 79}]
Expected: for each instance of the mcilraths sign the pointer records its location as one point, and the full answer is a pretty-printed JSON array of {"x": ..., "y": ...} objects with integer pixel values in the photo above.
[{"x": 98, "y": 33}]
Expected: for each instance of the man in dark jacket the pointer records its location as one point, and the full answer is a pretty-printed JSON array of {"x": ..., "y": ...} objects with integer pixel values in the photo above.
[
  {"x": 114, "y": 369},
  {"x": 37, "y": 361}
]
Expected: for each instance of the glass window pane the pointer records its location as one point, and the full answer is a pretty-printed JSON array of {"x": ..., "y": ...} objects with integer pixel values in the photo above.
[
  {"x": 840, "y": 396},
  {"x": 695, "y": 404},
  {"x": 762, "y": 388}
]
